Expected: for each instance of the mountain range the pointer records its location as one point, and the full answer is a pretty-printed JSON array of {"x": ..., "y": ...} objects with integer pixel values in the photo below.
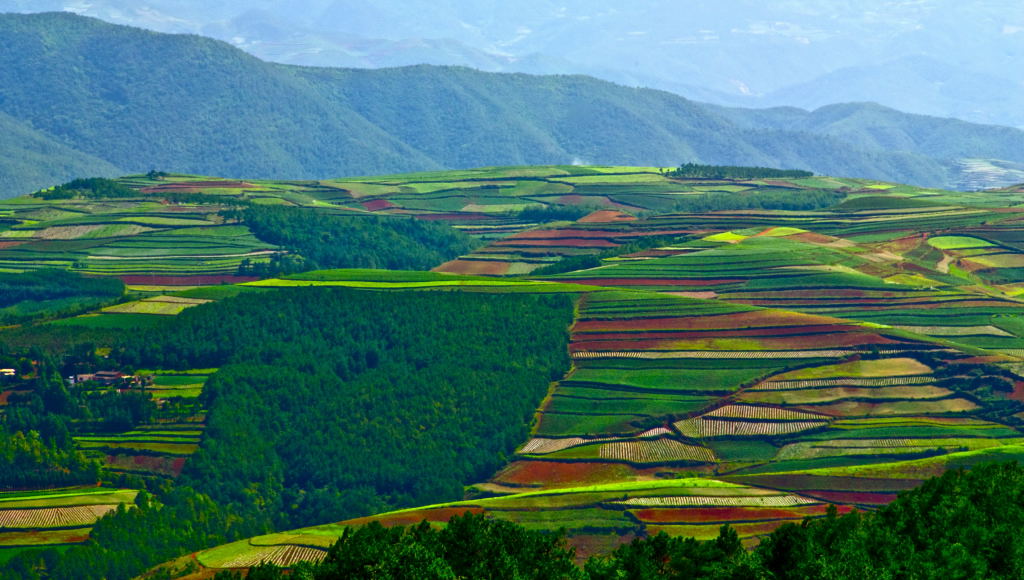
[
  {"x": 92, "y": 98},
  {"x": 935, "y": 57}
]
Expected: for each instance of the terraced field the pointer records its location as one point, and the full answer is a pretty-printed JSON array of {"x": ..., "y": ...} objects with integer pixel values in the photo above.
[
  {"x": 54, "y": 518},
  {"x": 742, "y": 365},
  {"x": 597, "y": 517}
]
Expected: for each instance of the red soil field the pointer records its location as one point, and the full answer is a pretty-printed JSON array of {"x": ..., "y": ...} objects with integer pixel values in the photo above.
[
  {"x": 5, "y": 245},
  {"x": 415, "y": 517},
  {"x": 42, "y": 538},
  {"x": 781, "y": 344},
  {"x": 541, "y": 473},
  {"x": 558, "y": 242},
  {"x": 901, "y": 306},
  {"x": 754, "y": 319},
  {"x": 171, "y": 466},
  {"x": 474, "y": 267},
  {"x": 690, "y": 515},
  {"x": 799, "y": 482},
  {"x": 699, "y": 334},
  {"x": 971, "y": 266},
  {"x": 709, "y": 295},
  {"x": 606, "y": 216},
  {"x": 565, "y": 233},
  {"x": 854, "y": 497},
  {"x": 812, "y": 238},
  {"x": 193, "y": 186},
  {"x": 207, "y": 280},
  {"x": 377, "y": 205},
  {"x": 1018, "y": 391}
]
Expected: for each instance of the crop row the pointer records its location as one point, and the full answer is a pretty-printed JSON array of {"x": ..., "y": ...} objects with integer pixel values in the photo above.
[
  {"x": 284, "y": 556},
  {"x": 843, "y": 382},
  {"x": 657, "y": 451},
  {"x": 59, "y": 517},
  {"x": 541, "y": 445},
  {"x": 700, "y": 427},
  {"x": 802, "y": 451},
  {"x": 728, "y": 501},
  {"x": 720, "y": 354},
  {"x": 762, "y": 413}
]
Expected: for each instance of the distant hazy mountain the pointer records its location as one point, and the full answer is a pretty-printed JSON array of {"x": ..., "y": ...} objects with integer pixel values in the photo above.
[
  {"x": 937, "y": 57},
  {"x": 935, "y": 88},
  {"x": 96, "y": 98}
]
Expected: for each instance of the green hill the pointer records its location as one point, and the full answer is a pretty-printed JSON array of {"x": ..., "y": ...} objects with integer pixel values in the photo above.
[
  {"x": 96, "y": 97},
  {"x": 30, "y": 159},
  {"x": 747, "y": 347}
]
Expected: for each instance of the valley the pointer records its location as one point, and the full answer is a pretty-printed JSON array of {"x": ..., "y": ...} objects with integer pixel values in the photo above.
[{"x": 721, "y": 346}]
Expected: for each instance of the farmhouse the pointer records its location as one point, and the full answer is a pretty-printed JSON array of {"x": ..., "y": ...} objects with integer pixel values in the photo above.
[
  {"x": 7, "y": 372},
  {"x": 104, "y": 377}
]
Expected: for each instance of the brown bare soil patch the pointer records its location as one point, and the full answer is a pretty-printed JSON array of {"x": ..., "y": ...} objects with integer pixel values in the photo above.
[
  {"x": 851, "y": 497},
  {"x": 558, "y": 242},
  {"x": 727, "y": 514},
  {"x": 377, "y": 205},
  {"x": 415, "y": 517},
  {"x": 606, "y": 216},
  {"x": 194, "y": 186},
  {"x": 564, "y": 474},
  {"x": 170, "y": 466},
  {"x": 474, "y": 267}
]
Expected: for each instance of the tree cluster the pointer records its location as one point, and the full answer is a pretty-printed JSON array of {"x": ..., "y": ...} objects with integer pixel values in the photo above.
[
  {"x": 333, "y": 403},
  {"x": 799, "y": 200},
  {"x": 695, "y": 170},
  {"x": 327, "y": 240},
  {"x": 89, "y": 187},
  {"x": 50, "y": 292}
]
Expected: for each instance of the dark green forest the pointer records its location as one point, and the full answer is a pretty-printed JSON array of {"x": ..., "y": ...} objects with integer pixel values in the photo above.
[
  {"x": 47, "y": 293},
  {"x": 131, "y": 100},
  {"x": 334, "y": 403},
  {"x": 329, "y": 404},
  {"x": 91, "y": 188},
  {"x": 765, "y": 198},
  {"x": 324, "y": 240},
  {"x": 694, "y": 170}
]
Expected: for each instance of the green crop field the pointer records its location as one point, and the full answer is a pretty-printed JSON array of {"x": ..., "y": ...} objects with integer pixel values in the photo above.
[
  {"x": 54, "y": 518},
  {"x": 741, "y": 351}
]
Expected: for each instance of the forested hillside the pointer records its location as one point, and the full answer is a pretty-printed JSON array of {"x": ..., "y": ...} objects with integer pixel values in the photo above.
[
  {"x": 332, "y": 241},
  {"x": 335, "y": 403},
  {"x": 123, "y": 99}
]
